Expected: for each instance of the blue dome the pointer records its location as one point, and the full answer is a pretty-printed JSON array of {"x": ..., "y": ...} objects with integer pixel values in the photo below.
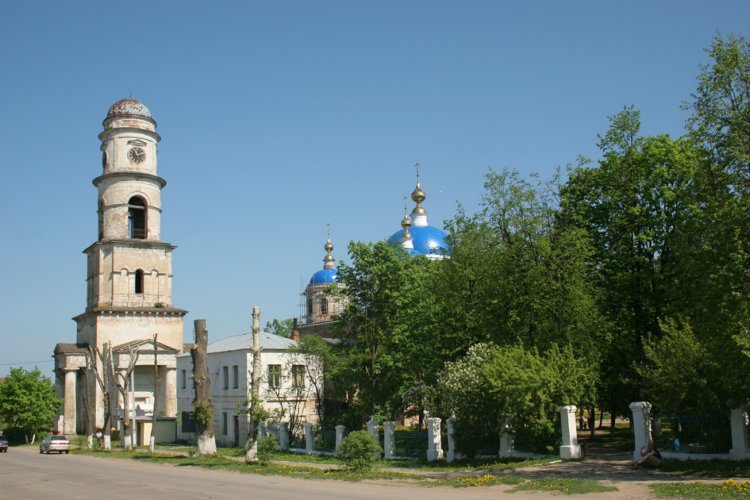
[
  {"x": 428, "y": 240},
  {"x": 324, "y": 276}
]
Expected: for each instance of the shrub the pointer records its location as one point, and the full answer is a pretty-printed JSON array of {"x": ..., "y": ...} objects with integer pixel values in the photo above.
[
  {"x": 359, "y": 451},
  {"x": 267, "y": 445}
]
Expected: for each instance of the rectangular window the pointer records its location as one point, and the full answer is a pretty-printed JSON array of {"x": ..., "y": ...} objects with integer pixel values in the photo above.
[
  {"x": 184, "y": 379},
  {"x": 224, "y": 423},
  {"x": 226, "y": 377},
  {"x": 188, "y": 421},
  {"x": 298, "y": 376},
  {"x": 235, "y": 377},
  {"x": 274, "y": 376}
]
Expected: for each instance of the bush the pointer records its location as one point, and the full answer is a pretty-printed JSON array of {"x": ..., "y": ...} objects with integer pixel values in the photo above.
[
  {"x": 359, "y": 451},
  {"x": 267, "y": 445}
]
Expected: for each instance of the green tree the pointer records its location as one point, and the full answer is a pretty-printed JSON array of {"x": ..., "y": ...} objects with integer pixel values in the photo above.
[
  {"x": 389, "y": 345},
  {"x": 28, "y": 401},
  {"x": 282, "y": 328},
  {"x": 634, "y": 207}
]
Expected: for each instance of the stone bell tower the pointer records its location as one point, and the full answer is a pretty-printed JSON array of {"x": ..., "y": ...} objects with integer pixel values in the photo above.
[{"x": 129, "y": 270}]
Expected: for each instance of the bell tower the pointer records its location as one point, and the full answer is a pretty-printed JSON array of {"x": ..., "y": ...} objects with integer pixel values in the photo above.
[{"x": 128, "y": 279}]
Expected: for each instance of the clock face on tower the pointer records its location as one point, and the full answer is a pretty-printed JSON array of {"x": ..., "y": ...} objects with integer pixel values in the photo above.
[{"x": 136, "y": 155}]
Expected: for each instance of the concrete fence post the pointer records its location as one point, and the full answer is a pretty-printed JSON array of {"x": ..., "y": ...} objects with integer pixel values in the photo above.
[
  {"x": 283, "y": 436},
  {"x": 262, "y": 430},
  {"x": 506, "y": 440},
  {"x": 340, "y": 429},
  {"x": 738, "y": 419},
  {"x": 641, "y": 426},
  {"x": 309, "y": 439},
  {"x": 372, "y": 428},
  {"x": 389, "y": 440},
  {"x": 434, "y": 445},
  {"x": 451, "y": 455},
  {"x": 570, "y": 447}
]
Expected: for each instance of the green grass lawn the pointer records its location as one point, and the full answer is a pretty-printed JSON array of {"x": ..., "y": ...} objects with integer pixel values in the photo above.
[
  {"x": 728, "y": 489},
  {"x": 227, "y": 460},
  {"x": 708, "y": 468}
]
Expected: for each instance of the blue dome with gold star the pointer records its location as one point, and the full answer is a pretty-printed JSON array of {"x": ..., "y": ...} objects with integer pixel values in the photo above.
[{"x": 328, "y": 274}]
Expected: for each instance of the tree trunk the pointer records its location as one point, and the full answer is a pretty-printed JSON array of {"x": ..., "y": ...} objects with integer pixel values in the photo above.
[
  {"x": 592, "y": 422},
  {"x": 251, "y": 445},
  {"x": 204, "y": 411}
]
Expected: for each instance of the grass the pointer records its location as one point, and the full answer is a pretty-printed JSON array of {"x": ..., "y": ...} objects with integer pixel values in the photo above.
[
  {"x": 565, "y": 486},
  {"x": 728, "y": 489},
  {"x": 226, "y": 460},
  {"x": 708, "y": 468}
]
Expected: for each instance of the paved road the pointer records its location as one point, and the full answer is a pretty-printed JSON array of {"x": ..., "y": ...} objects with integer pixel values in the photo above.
[{"x": 25, "y": 474}]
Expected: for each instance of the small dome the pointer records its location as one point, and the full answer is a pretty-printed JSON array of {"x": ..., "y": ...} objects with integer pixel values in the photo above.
[
  {"x": 427, "y": 240},
  {"x": 324, "y": 276},
  {"x": 131, "y": 107}
]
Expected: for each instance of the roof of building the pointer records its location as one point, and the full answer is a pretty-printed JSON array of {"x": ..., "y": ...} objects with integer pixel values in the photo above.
[
  {"x": 427, "y": 240},
  {"x": 131, "y": 107},
  {"x": 324, "y": 276},
  {"x": 268, "y": 342}
]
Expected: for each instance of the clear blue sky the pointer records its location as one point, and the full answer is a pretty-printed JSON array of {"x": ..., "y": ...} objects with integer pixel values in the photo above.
[{"x": 279, "y": 117}]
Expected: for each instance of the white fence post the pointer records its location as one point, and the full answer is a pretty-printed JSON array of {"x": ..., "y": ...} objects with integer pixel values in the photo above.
[
  {"x": 739, "y": 434},
  {"x": 570, "y": 447},
  {"x": 451, "y": 456},
  {"x": 389, "y": 440},
  {"x": 434, "y": 445},
  {"x": 262, "y": 431},
  {"x": 283, "y": 436},
  {"x": 641, "y": 426},
  {"x": 339, "y": 436},
  {"x": 309, "y": 439},
  {"x": 506, "y": 441},
  {"x": 372, "y": 428}
]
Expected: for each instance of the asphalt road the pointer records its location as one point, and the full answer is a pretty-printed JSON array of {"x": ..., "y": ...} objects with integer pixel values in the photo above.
[{"x": 25, "y": 474}]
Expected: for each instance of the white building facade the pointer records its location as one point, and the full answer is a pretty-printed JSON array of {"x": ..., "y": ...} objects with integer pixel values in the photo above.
[{"x": 291, "y": 386}]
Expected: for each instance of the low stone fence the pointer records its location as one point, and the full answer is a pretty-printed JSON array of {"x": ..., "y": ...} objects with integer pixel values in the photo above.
[
  {"x": 642, "y": 430},
  {"x": 417, "y": 444}
]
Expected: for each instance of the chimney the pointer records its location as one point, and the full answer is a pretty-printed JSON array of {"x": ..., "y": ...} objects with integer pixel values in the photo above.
[{"x": 295, "y": 331}]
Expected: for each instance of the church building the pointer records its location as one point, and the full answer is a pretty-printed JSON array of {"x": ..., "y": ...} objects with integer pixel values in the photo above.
[{"x": 128, "y": 283}]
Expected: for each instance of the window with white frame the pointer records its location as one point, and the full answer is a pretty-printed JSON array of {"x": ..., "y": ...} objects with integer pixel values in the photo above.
[
  {"x": 225, "y": 371},
  {"x": 274, "y": 376},
  {"x": 235, "y": 377},
  {"x": 298, "y": 376}
]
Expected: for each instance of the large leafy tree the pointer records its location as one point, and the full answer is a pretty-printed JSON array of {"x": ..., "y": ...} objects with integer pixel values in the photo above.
[
  {"x": 28, "y": 401},
  {"x": 390, "y": 345},
  {"x": 634, "y": 206},
  {"x": 515, "y": 276}
]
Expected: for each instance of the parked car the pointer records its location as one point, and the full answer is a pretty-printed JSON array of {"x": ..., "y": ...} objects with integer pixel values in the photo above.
[
  {"x": 59, "y": 444},
  {"x": 3, "y": 444}
]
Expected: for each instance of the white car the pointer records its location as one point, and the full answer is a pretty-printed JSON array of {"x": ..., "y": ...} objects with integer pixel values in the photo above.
[{"x": 60, "y": 444}]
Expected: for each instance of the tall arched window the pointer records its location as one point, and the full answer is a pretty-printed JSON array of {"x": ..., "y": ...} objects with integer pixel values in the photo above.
[
  {"x": 137, "y": 218},
  {"x": 324, "y": 306},
  {"x": 309, "y": 307},
  {"x": 101, "y": 218},
  {"x": 139, "y": 281}
]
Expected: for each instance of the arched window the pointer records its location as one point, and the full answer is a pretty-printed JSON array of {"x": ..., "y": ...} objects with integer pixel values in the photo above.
[
  {"x": 309, "y": 307},
  {"x": 137, "y": 218},
  {"x": 139, "y": 281},
  {"x": 324, "y": 306},
  {"x": 101, "y": 218}
]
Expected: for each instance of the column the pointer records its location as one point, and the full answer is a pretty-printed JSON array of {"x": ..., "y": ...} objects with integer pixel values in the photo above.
[
  {"x": 170, "y": 392},
  {"x": 434, "y": 446},
  {"x": 283, "y": 436},
  {"x": 309, "y": 439},
  {"x": 570, "y": 447},
  {"x": 738, "y": 419},
  {"x": 339, "y": 436},
  {"x": 641, "y": 426},
  {"x": 451, "y": 456},
  {"x": 69, "y": 408},
  {"x": 262, "y": 430},
  {"x": 389, "y": 440}
]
